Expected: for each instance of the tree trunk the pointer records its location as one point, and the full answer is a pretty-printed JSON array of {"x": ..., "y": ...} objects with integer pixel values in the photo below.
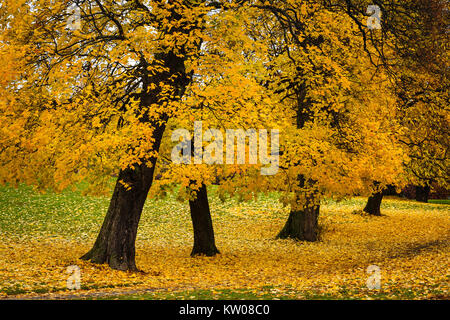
[
  {"x": 422, "y": 193},
  {"x": 302, "y": 224},
  {"x": 374, "y": 203},
  {"x": 204, "y": 243},
  {"x": 115, "y": 243}
]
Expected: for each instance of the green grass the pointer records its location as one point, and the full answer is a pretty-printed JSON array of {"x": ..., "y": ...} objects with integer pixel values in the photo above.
[
  {"x": 266, "y": 293},
  {"x": 439, "y": 201},
  {"x": 25, "y": 213},
  {"x": 225, "y": 294},
  {"x": 71, "y": 215}
]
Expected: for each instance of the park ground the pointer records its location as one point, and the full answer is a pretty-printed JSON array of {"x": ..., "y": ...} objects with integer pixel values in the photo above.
[{"x": 42, "y": 234}]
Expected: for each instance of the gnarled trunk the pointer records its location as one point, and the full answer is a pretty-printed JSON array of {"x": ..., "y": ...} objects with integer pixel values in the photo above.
[
  {"x": 204, "y": 243},
  {"x": 374, "y": 204},
  {"x": 422, "y": 193},
  {"x": 115, "y": 243},
  {"x": 302, "y": 224}
]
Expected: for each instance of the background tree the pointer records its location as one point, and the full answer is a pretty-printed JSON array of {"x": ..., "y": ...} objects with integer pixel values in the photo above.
[
  {"x": 417, "y": 65},
  {"x": 341, "y": 108}
]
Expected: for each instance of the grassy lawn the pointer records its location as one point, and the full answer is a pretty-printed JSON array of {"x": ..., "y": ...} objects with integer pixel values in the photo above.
[
  {"x": 267, "y": 293},
  {"x": 439, "y": 201},
  {"x": 42, "y": 234}
]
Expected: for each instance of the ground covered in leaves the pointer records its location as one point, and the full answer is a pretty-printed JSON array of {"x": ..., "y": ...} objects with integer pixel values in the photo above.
[{"x": 42, "y": 234}]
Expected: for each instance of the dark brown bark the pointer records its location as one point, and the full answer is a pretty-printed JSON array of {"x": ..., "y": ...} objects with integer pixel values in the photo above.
[
  {"x": 374, "y": 204},
  {"x": 115, "y": 243},
  {"x": 422, "y": 193},
  {"x": 204, "y": 243},
  {"x": 302, "y": 224}
]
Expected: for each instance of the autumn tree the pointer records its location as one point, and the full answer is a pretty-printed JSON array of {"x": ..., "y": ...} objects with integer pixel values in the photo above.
[
  {"x": 226, "y": 92},
  {"x": 335, "y": 112},
  {"x": 103, "y": 78},
  {"x": 339, "y": 106},
  {"x": 414, "y": 33},
  {"x": 423, "y": 83},
  {"x": 104, "y": 88}
]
